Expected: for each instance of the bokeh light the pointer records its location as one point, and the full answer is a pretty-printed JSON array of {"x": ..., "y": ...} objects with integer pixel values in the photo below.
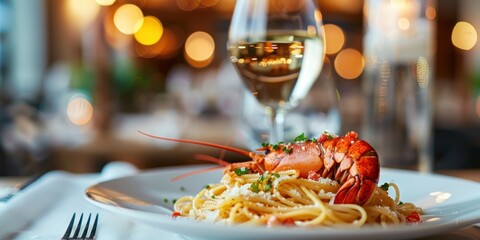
[
  {"x": 423, "y": 72},
  {"x": 199, "y": 49},
  {"x": 128, "y": 19},
  {"x": 150, "y": 32},
  {"x": 385, "y": 73},
  {"x": 113, "y": 36},
  {"x": 79, "y": 111},
  {"x": 349, "y": 63},
  {"x": 81, "y": 13},
  {"x": 404, "y": 23},
  {"x": 464, "y": 36},
  {"x": 188, "y": 5},
  {"x": 334, "y": 38},
  {"x": 105, "y": 2},
  {"x": 168, "y": 46},
  {"x": 430, "y": 12}
]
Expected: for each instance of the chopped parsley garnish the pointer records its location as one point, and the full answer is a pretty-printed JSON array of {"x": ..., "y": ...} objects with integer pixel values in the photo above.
[
  {"x": 329, "y": 136},
  {"x": 213, "y": 196},
  {"x": 208, "y": 186},
  {"x": 263, "y": 176},
  {"x": 400, "y": 203},
  {"x": 286, "y": 149},
  {"x": 265, "y": 144},
  {"x": 385, "y": 186},
  {"x": 241, "y": 171},
  {"x": 182, "y": 188},
  {"x": 264, "y": 182},
  {"x": 254, "y": 187},
  {"x": 165, "y": 200},
  {"x": 275, "y": 147},
  {"x": 301, "y": 138}
]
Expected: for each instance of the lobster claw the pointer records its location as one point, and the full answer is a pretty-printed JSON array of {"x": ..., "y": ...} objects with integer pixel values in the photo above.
[{"x": 355, "y": 191}]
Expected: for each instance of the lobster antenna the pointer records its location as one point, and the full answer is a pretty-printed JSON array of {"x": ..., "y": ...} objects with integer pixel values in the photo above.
[
  {"x": 231, "y": 149},
  {"x": 207, "y": 158}
]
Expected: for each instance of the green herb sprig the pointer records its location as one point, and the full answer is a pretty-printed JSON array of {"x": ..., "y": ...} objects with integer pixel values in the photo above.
[
  {"x": 329, "y": 135},
  {"x": 301, "y": 138},
  {"x": 241, "y": 171},
  {"x": 385, "y": 186},
  {"x": 264, "y": 182},
  {"x": 287, "y": 150}
]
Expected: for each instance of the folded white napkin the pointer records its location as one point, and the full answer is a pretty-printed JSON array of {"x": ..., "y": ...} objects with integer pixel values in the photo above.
[{"x": 43, "y": 210}]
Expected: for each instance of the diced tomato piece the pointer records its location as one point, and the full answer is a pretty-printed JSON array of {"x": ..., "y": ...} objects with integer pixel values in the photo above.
[
  {"x": 289, "y": 222},
  {"x": 275, "y": 221},
  {"x": 176, "y": 214},
  {"x": 414, "y": 217}
]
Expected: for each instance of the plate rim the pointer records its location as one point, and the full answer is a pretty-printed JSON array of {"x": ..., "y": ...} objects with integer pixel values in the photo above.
[{"x": 416, "y": 230}]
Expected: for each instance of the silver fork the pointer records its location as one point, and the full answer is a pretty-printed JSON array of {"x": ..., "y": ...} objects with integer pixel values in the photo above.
[{"x": 84, "y": 236}]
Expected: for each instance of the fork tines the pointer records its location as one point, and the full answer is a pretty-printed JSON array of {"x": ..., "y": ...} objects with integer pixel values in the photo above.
[{"x": 79, "y": 227}]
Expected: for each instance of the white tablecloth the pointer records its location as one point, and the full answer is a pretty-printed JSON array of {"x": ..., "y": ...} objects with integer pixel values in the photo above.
[{"x": 43, "y": 210}]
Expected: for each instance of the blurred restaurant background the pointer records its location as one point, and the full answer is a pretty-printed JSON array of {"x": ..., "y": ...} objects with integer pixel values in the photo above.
[{"x": 79, "y": 78}]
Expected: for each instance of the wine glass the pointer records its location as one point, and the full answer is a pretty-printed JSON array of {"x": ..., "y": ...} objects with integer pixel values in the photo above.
[{"x": 277, "y": 48}]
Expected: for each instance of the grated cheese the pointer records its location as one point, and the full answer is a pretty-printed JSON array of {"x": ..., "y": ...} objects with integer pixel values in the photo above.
[
  {"x": 244, "y": 190},
  {"x": 328, "y": 181},
  {"x": 211, "y": 216},
  {"x": 328, "y": 194}
]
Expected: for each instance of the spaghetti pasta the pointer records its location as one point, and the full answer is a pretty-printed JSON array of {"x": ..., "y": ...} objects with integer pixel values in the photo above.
[{"x": 284, "y": 198}]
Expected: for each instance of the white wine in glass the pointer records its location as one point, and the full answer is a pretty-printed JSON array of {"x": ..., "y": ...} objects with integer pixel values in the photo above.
[{"x": 277, "y": 47}]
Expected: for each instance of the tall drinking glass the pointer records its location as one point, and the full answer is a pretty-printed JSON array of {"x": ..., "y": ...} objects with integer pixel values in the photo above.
[
  {"x": 398, "y": 81},
  {"x": 277, "y": 48}
]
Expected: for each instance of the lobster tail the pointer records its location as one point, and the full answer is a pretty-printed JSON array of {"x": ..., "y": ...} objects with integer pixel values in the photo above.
[{"x": 358, "y": 170}]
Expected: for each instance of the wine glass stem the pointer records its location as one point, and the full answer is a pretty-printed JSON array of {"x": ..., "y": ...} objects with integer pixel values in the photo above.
[{"x": 277, "y": 123}]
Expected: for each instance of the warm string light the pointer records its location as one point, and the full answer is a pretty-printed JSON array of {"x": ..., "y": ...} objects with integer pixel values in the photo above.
[
  {"x": 382, "y": 94},
  {"x": 82, "y": 13},
  {"x": 150, "y": 32},
  {"x": 334, "y": 38},
  {"x": 128, "y": 19},
  {"x": 430, "y": 13},
  {"x": 349, "y": 63},
  {"x": 199, "y": 49},
  {"x": 79, "y": 111},
  {"x": 113, "y": 36},
  {"x": 464, "y": 35},
  {"x": 423, "y": 72}
]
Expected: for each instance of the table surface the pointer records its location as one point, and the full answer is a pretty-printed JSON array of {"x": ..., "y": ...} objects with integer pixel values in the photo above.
[{"x": 472, "y": 232}]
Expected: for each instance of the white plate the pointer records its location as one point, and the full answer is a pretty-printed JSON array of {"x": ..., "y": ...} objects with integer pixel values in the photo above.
[{"x": 449, "y": 203}]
